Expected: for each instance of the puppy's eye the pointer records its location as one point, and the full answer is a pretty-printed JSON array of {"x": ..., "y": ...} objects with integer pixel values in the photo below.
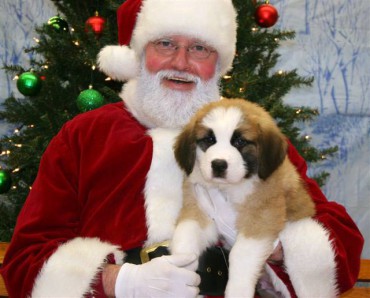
[
  {"x": 239, "y": 142},
  {"x": 208, "y": 140}
]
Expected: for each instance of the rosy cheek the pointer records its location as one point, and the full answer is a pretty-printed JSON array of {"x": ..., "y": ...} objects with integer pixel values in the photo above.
[
  {"x": 153, "y": 63},
  {"x": 208, "y": 73},
  {"x": 206, "y": 69}
]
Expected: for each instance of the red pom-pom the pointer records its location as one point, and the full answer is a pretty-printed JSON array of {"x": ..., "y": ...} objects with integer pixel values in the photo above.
[
  {"x": 266, "y": 15},
  {"x": 96, "y": 24}
]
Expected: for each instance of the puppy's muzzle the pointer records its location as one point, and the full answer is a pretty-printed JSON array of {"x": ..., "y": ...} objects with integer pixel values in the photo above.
[{"x": 219, "y": 167}]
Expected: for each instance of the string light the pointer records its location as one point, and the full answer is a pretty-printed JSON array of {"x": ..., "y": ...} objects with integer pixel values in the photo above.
[{"x": 5, "y": 152}]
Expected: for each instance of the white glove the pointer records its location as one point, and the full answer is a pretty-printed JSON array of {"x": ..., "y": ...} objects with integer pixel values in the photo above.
[
  {"x": 165, "y": 276},
  {"x": 214, "y": 203}
]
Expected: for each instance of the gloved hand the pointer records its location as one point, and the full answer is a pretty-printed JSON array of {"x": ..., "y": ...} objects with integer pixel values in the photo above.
[
  {"x": 214, "y": 203},
  {"x": 165, "y": 276}
]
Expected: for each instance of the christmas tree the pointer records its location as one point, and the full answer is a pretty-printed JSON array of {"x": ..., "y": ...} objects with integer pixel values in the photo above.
[{"x": 63, "y": 81}]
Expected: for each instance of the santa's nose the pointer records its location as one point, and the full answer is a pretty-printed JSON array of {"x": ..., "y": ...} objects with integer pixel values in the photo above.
[{"x": 180, "y": 59}]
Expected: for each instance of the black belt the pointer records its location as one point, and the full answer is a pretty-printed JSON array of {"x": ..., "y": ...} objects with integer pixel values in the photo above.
[{"x": 213, "y": 266}]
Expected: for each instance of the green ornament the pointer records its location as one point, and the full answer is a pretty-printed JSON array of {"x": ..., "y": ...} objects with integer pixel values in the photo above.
[
  {"x": 89, "y": 99},
  {"x": 29, "y": 84},
  {"x": 5, "y": 181},
  {"x": 58, "y": 24}
]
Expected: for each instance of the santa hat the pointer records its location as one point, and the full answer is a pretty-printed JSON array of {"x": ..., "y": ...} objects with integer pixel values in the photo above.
[{"x": 141, "y": 21}]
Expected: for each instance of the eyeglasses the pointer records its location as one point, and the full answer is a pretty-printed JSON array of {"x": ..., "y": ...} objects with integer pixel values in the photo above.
[{"x": 167, "y": 47}]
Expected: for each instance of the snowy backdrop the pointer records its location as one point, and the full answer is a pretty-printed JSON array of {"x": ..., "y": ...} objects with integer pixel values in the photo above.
[{"x": 332, "y": 44}]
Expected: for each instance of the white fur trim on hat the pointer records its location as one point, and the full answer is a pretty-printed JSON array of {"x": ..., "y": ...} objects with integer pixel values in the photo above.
[
  {"x": 212, "y": 21},
  {"x": 118, "y": 62}
]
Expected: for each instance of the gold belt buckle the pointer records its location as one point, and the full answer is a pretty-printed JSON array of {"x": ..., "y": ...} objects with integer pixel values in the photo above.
[{"x": 145, "y": 251}]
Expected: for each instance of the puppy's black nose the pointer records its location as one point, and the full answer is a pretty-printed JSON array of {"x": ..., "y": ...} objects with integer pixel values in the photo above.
[{"x": 219, "y": 167}]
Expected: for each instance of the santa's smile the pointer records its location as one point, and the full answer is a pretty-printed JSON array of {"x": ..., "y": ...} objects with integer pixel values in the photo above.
[
  {"x": 179, "y": 83},
  {"x": 180, "y": 80}
]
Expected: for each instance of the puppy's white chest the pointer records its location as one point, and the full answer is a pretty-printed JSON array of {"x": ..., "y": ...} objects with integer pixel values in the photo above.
[
  {"x": 220, "y": 209},
  {"x": 237, "y": 194}
]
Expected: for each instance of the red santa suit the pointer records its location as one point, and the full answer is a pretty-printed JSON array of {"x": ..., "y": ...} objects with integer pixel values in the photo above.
[{"x": 106, "y": 184}]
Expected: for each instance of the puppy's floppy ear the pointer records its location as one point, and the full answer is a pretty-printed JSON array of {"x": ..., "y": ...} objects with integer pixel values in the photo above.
[
  {"x": 272, "y": 149},
  {"x": 185, "y": 147}
]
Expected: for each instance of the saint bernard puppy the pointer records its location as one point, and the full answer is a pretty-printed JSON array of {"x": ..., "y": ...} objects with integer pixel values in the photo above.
[{"x": 235, "y": 146}]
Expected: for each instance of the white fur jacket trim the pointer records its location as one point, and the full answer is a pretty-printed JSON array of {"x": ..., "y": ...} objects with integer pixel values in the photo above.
[{"x": 163, "y": 188}]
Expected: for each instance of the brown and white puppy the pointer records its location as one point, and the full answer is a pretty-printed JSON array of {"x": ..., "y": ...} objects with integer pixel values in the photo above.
[{"x": 235, "y": 146}]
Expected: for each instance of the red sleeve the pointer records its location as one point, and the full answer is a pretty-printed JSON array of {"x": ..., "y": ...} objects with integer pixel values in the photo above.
[
  {"x": 92, "y": 172},
  {"x": 41, "y": 227},
  {"x": 346, "y": 238}
]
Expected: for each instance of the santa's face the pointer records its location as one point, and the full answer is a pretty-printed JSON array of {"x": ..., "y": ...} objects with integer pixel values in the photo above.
[
  {"x": 182, "y": 58},
  {"x": 170, "y": 89}
]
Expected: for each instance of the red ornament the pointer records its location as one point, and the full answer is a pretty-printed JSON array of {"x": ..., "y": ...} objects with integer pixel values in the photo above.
[
  {"x": 266, "y": 15},
  {"x": 96, "y": 24}
]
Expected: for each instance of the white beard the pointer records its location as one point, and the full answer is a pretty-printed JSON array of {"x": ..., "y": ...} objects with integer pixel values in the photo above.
[{"x": 156, "y": 106}]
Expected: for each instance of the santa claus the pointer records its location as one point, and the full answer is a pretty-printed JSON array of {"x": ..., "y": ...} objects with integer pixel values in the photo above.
[{"x": 109, "y": 190}]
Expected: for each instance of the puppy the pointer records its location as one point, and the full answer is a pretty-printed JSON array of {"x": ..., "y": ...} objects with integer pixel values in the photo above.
[{"x": 235, "y": 146}]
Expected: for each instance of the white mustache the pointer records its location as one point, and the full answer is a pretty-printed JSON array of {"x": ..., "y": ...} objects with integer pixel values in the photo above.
[{"x": 177, "y": 75}]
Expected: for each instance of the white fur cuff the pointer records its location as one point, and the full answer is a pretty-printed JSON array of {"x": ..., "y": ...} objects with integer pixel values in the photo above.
[{"x": 71, "y": 270}]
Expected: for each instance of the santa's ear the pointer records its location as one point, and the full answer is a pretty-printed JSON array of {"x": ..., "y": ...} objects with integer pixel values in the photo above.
[
  {"x": 272, "y": 149},
  {"x": 185, "y": 147}
]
